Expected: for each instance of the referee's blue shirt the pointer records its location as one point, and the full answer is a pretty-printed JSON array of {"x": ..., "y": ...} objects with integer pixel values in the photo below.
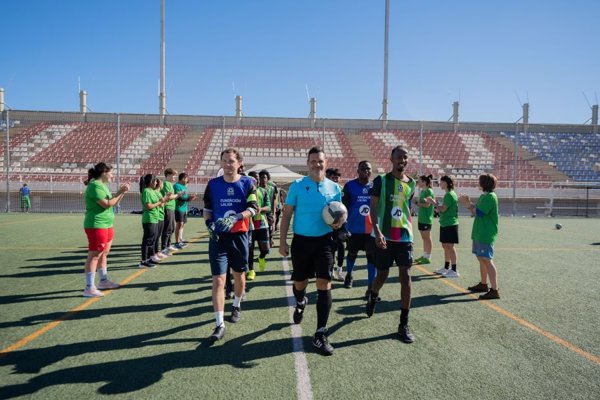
[{"x": 308, "y": 199}]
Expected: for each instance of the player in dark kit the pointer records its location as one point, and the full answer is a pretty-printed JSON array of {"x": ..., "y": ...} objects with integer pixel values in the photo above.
[
  {"x": 357, "y": 199},
  {"x": 229, "y": 205}
]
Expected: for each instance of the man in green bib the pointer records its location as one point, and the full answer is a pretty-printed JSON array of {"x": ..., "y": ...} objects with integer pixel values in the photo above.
[{"x": 391, "y": 198}]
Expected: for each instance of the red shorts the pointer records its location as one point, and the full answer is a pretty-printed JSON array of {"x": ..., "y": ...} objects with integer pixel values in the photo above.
[{"x": 98, "y": 238}]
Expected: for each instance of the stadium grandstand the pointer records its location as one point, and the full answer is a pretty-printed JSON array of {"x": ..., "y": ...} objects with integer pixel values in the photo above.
[{"x": 51, "y": 152}]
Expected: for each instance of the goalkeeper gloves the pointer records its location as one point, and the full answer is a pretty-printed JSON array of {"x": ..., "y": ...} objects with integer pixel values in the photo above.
[{"x": 223, "y": 225}]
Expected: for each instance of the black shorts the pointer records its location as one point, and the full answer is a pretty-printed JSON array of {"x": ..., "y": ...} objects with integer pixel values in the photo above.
[
  {"x": 181, "y": 216},
  {"x": 312, "y": 256},
  {"x": 449, "y": 234},
  {"x": 399, "y": 252},
  {"x": 361, "y": 241},
  {"x": 424, "y": 227},
  {"x": 260, "y": 235}
]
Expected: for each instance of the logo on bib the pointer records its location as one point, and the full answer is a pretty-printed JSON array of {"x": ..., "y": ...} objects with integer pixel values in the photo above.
[
  {"x": 396, "y": 213},
  {"x": 364, "y": 210}
]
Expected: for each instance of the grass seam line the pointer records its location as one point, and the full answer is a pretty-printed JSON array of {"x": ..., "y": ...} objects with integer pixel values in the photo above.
[
  {"x": 303, "y": 386},
  {"x": 570, "y": 346}
]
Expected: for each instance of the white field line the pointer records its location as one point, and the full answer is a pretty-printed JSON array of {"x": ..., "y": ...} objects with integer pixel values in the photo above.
[{"x": 303, "y": 386}]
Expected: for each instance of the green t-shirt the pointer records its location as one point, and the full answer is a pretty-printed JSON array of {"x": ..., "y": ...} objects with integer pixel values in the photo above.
[
  {"x": 150, "y": 196},
  {"x": 181, "y": 204},
  {"x": 160, "y": 210},
  {"x": 97, "y": 216},
  {"x": 393, "y": 209},
  {"x": 426, "y": 213},
  {"x": 485, "y": 226},
  {"x": 450, "y": 216},
  {"x": 259, "y": 221},
  {"x": 168, "y": 188}
]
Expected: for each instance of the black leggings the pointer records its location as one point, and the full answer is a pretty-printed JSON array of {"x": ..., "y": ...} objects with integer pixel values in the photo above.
[
  {"x": 149, "y": 239},
  {"x": 159, "y": 229},
  {"x": 168, "y": 229}
]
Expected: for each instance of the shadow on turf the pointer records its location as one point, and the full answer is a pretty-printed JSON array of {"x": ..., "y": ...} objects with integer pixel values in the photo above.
[{"x": 127, "y": 376}]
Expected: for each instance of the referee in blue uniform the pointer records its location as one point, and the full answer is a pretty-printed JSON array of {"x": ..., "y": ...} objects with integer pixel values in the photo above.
[{"x": 312, "y": 245}]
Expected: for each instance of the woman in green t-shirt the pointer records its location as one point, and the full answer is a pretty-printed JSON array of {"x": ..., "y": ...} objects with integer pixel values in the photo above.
[
  {"x": 98, "y": 226},
  {"x": 448, "y": 210},
  {"x": 484, "y": 233},
  {"x": 425, "y": 217},
  {"x": 151, "y": 201}
]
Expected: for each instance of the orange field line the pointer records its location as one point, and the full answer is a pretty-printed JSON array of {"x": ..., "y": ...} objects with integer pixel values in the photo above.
[
  {"x": 64, "y": 317},
  {"x": 520, "y": 321},
  {"x": 75, "y": 310}
]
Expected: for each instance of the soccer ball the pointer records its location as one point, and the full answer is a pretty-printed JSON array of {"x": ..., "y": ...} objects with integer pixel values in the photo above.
[
  {"x": 534, "y": 215},
  {"x": 334, "y": 213},
  {"x": 558, "y": 226}
]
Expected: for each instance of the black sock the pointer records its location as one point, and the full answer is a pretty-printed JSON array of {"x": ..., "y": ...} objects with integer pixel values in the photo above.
[
  {"x": 404, "y": 316},
  {"x": 454, "y": 267},
  {"x": 298, "y": 294},
  {"x": 446, "y": 264},
  {"x": 323, "y": 307}
]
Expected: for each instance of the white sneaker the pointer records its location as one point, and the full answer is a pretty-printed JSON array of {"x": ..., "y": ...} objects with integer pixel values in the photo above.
[
  {"x": 165, "y": 253},
  {"x": 106, "y": 284},
  {"x": 173, "y": 248},
  {"x": 155, "y": 259},
  {"x": 451, "y": 274},
  {"x": 442, "y": 271},
  {"x": 92, "y": 292}
]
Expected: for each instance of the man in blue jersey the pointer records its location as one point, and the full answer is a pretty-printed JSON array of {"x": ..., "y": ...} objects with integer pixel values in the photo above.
[
  {"x": 312, "y": 244},
  {"x": 356, "y": 197},
  {"x": 229, "y": 205}
]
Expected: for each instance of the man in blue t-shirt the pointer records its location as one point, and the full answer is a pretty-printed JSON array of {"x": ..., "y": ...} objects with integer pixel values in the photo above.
[
  {"x": 312, "y": 244},
  {"x": 25, "y": 201}
]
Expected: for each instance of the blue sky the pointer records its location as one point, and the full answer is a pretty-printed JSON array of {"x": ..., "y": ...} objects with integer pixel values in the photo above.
[{"x": 490, "y": 53}]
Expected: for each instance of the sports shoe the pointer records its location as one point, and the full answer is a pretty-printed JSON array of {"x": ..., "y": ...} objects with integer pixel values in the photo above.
[
  {"x": 151, "y": 263},
  {"x": 405, "y": 335},
  {"x": 155, "y": 259},
  {"x": 182, "y": 244},
  {"x": 491, "y": 295},
  {"x": 417, "y": 261},
  {"x": 299, "y": 311},
  {"x": 261, "y": 264},
  {"x": 442, "y": 271},
  {"x": 236, "y": 314},
  {"x": 480, "y": 287},
  {"x": 106, "y": 284},
  {"x": 218, "y": 333},
  {"x": 251, "y": 275},
  {"x": 371, "y": 302},
  {"x": 337, "y": 274},
  {"x": 378, "y": 299},
  {"x": 92, "y": 292},
  {"x": 146, "y": 264},
  {"x": 451, "y": 274},
  {"x": 321, "y": 343},
  {"x": 160, "y": 255},
  {"x": 424, "y": 261},
  {"x": 348, "y": 281},
  {"x": 166, "y": 253},
  {"x": 173, "y": 248}
]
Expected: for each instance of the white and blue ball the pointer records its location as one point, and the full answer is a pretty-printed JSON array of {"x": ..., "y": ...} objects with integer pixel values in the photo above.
[{"x": 335, "y": 213}]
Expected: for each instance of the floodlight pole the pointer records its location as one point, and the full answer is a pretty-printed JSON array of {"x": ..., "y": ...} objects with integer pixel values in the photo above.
[
  {"x": 7, "y": 160},
  {"x": 162, "y": 98},
  {"x": 384, "y": 112},
  {"x": 421, "y": 150},
  {"x": 118, "y": 147},
  {"x": 516, "y": 152}
]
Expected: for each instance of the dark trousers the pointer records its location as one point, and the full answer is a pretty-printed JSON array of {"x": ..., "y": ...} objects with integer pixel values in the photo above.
[
  {"x": 168, "y": 229},
  {"x": 149, "y": 239}
]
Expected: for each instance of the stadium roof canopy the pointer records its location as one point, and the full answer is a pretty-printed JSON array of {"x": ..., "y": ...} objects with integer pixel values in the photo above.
[{"x": 279, "y": 173}]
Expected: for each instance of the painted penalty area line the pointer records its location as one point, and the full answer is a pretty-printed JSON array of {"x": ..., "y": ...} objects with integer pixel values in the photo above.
[
  {"x": 594, "y": 359},
  {"x": 303, "y": 386}
]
